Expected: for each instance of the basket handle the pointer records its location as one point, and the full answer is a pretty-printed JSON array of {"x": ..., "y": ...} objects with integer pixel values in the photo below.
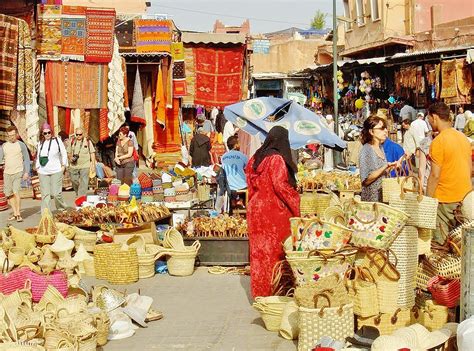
[
  {"x": 371, "y": 254},
  {"x": 394, "y": 318},
  {"x": 308, "y": 224},
  {"x": 376, "y": 212},
  {"x": 25, "y": 329},
  {"x": 416, "y": 311},
  {"x": 366, "y": 275},
  {"x": 316, "y": 298},
  {"x": 417, "y": 188},
  {"x": 7, "y": 263},
  {"x": 318, "y": 253}
]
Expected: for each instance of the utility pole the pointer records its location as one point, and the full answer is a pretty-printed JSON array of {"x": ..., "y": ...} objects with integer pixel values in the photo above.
[{"x": 334, "y": 67}]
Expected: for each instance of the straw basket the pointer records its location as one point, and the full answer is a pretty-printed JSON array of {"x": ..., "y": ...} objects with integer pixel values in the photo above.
[
  {"x": 289, "y": 321},
  {"x": 102, "y": 324},
  {"x": 204, "y": 192},
  {"x": 335, "y": 322},
  {"x": 433, "y": 316},
  {"x": 318, "y": 264},
  {"x": 85, "y": 334},
  {"x": 387, "y": 323},
  {"x": 146, "y": 261},
  {"x": 314, "y": 203},
  {"x": 89, "y": 268},
  {"x": 173, "y": 240},
  {"x": 20, "y": 346},
  {"x": 271, "y": 310},
  {"x": 331, "y": 285},
  {"x": 88, "y": 239},
  {"x": 56, "y": 338},
  {"x": 181, "y": 263},
  {"x": 362, "y": 292},
  {"x": 116, "y": 265},
  {"x": 424, "y": 241},
  {"x": 393, "y": 186}
]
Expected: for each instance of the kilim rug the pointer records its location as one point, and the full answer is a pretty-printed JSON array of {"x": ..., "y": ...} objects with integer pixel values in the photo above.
[
  {"x": 100, "y": 34},
  {"x": 179, "y": 79},
  {"x": 79, "y": 85},
  {"x": 8, "y": 60},
  {"x": 448, "y": 76},
  {"x": 125, "y": 36},
  {"x": 152, "y": 35},
  {"x": 218, "y": 76},
  {"x": 73, "y": 31},
  {"x": 26, "y": 74},
  {"x": 48, "y": 44},
  {"x": 190, "y": 76}
]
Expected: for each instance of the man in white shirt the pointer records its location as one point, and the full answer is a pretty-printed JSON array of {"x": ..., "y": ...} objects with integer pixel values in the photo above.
[
  {"x": 419, "y": 128},
  {"x": 460, "y": 120},
  {"x": 17, "y": 167}
]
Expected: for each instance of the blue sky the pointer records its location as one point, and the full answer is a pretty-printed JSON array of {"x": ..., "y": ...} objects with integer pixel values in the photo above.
[{"x": 200, "y": 15}]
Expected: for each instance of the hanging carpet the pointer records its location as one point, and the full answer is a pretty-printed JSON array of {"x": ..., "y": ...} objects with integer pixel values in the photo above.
[
  {"x": 26, "y": 73},
  {"x": 48, "y": 44},
  {"x": 100, "y": 34},
  {"x": 190, "y": 76},
  {"x": 73, "y": 31},
  {"x": 8, "y": 60},
  {"x": 125, "y": 36},
  {"x": 153, "y": 35}
]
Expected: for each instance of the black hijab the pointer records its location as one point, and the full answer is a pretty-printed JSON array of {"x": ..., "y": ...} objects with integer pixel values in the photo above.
[
  {"x": 220, "y": 122},
  {"x": 277, "y": 143}
]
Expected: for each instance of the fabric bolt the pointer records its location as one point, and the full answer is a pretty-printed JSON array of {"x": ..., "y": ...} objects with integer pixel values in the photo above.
[
  {"x": 78, "y": 85},
  {"x": 160, "y": 99},
  {"x": 177, "y": 51},
  {"x": 153, "y": 35},
  {"x": 268, "y": 188},
  {"x": 100, "y": 24},
  {"x": 73, "y": 31},
  {"x": 168, "y": 140},
  {"x": 25, "y": 75},
  {"x": 9, "y": 36},
  {"x": 137, "y": 111},
  {"x": 103, "y": 124},
  {"x": 369, "y": 161},
  {"x": 49, "y": 32},
  {"x": 190, "y": 76},
  {"x": 116, "y": 89},
  {"x": 218, "y": 75},
  {"x": 125, "y": 36}
]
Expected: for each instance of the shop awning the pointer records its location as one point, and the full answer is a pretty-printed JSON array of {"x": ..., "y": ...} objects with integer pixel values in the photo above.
[
  {"x": 378, "y": 44},
  {"x": 212, "y": 38},
  {"x": 403, "y": 55},
  {"x": 122, "y": 7}
]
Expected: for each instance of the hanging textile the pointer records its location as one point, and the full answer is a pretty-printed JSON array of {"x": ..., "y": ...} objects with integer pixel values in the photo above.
[
  {"x": 48, "y": 44},
  {"x": 25, "y": 82},
  {"x": 100, "y": 34},
  {"x": 86, "y": 119},
  {"x": 179, "y": 78},
  {"x": 94, "y": 126},
  {"x": 160, "y": 99},
  {"x": 190, "y": 76},
  {"x": 177, "y": 51},
  {"x": 32, "y": 121},
  {"x": 4, "y": 124},
  {"x": 103, "y": 124},
  {"x": 67, "y": 124},
  {"x": 168, "y": 81},
  {"x": 218, "y": 75},
  {"x": 8, "y": 60},
  {"x": 125, "y": 36},
  {"x": 448, "y": 79},
  {"x": 153, "y": 35},
  {"x": 169, "y": 139},
  {"x": 73, "y": 31},
  {"x": 464, "y": 77},
  {"x": 116, "y": 89},
  {"x": 145, "y": 135},
  {"x": 137, "y": 112},
  {"x": 42, "y": 114},
  {"x": 79, "y": 85},
  {"x": 126, "y": 102}
]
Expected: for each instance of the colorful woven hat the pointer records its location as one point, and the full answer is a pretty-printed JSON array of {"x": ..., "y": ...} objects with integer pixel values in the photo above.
[
  {"x": 114, "y": 189},
  {"x": 136, "y": 190}
]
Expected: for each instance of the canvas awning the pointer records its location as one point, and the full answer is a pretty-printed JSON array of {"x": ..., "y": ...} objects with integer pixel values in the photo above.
[{"x": 122, "y": 7}]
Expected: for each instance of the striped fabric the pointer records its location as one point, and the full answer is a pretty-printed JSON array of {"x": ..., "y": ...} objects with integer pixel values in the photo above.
[
  {"x": 153, "y": 35},
  {"x": 8, "y": 60},
  {"x": 100, "y": 34}
]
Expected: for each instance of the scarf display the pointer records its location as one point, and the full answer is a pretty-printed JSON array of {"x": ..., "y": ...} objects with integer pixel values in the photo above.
[
  {"x": 116, "y": 90},
  {"x": 25, "y": 82},
  {"x": 8, "y": 60},
  {"x": 138, "y": 111},
  {"x": 73, "y": 31},
  {"x": 100, "y": 34},
  {"x": 152, "y": 35},
  {"x": 48, "y": 44}
]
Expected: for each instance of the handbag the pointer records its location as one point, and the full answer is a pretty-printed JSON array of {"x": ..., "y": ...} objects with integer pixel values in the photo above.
[
  {"x": 446, "y": 292},
  {"x": 387, "y": 323},
  {"x": 40, "y": 282},
  {"x": 394, "y": 185},
  {"x": 374, "y": 224},
  {"x": 362, "y": 291},
  {"x": 335, "y": 322},
  {"x": 432, "y": 316},
  {"x": 332, "y": 285},
  {"x": 422, "y": 209}
]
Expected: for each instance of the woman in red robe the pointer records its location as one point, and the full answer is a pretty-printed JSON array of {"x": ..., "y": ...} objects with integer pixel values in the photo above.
[{"x": 273, "y": 199}]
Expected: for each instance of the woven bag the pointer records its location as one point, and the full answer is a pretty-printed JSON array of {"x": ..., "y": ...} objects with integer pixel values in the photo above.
[
  {"x": 362, "y": 292},
  {"x": 387, "y": 323},
  {"x": 432, "y": 316},
  {"x": 332, "y": 286},
  {"x": 446, "y": 292},
  {"x": 116, "y": 265},
  {"x": 394, "y": 185},
  {"x": 335, "y": 322},
  {"x": 308, "y": 204},
  {"x": 446, "y": 265},
  {"x": 40, "y": 283},
  {"x": 318, "y": 264},
  {"x": 14, "y": 280},
  {"x": 319, "y": 235},
  {"x": 455, "y": 236},
  {"x": 422, "y": 209},
  {"x": 424, "y": 241},
  {"x": 424, "y": 273},
  {"x": 374, "y": 224},
  {"x": 379, "y": 263}
]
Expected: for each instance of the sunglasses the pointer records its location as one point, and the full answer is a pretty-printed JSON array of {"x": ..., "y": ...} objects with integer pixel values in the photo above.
[
  {"x": 46, "y": 133},
  {"x": 78, "y": 134},
  {"x": 381, "y": 128}
]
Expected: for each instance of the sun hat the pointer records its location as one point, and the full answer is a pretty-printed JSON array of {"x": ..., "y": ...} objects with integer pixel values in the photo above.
[
  {"x": 45, "y": 126},
  {"x": 121, "y": 329}
]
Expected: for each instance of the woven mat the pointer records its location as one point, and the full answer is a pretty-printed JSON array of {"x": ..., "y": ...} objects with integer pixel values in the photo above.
[
  {"x": 153, "y": 35},
  {"x": 73, "y": 31},
  {"x": 49, "y": 32},
  {"x": 8, "y": 60},
  {"x": 100, "y": 34}
]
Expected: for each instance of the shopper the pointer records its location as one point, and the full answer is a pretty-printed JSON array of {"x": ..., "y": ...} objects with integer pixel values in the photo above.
[
  {"x": 407, "y": 111},
  {"x": 372, "y": 161},
  {"x": 234, "y": 163},
  {"x": 419, "y": 128},
  {"x": 124, "y": 157},
  {"x": 220, "y": 122},
  {"x": 229, "y": 130},
  {"x": 81, "y": 155},
  {"x": 273, "y": 199},
  {"x": 460, "y": 120},
  {"x": 451, "y": 167},
  {"x": 51, "y": 161},
  {"x": 205, "y": 124},
  {"x": 469, "y": 127},
  {"x": 200, "y": 148},
  {"x": 17, "y": 168}
]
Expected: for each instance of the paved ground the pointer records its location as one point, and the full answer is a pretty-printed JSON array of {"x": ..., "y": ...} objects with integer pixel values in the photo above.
[{"x": 201, "y": 312}]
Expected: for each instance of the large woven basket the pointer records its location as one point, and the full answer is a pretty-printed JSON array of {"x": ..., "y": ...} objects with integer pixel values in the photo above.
[
  {"x": 393, "y": 186},
  {"x": 318, "y": 264},
  {"x": 335, "y": 322},
  {"x": 181, "y": 262},
  {"x": 422, "y": 209},
  {"x": 116, "y": 265},
  {"x": 362, "y": 292},
  {"x": 146, "y": 261}
]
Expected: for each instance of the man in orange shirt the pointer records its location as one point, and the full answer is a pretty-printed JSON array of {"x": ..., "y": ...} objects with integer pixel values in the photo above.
[{"x": 450, "y": 177}]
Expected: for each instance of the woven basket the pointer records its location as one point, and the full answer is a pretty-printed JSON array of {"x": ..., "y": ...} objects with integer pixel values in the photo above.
[
  {"x": 86, "y": 238},
  {"x": 374, "y": 224},
  {"x": 89, "y": 268},
  {"x": 318, "y": 264},
  {"x": 102, "y": 324},
  {"x": 423, "y": 275},
  {"x": 446, "y": 265},
  {"x": 204, "y": 192},
  {"x": 331, "y": 285},
  {"x": 422, "y": 209},
  {"x": 146, "y": 261},
  {"x": 393, "y": 186},
  {"x": 271, "y": 317},
  {"x": 432, "y": 316},
  {"x": 387, "y": 323},
  {"x": 56, "y": 338},
  {"x": 446, "y": 292},
  {"x": 455, "y": 236},
  {"x": 20, "y": 346},
  {"x": 116, "y": 265},
  {"x": 380, "y": 264},
  {"x": 424, "y": 241},
  {"x": 362, "y": 292},
  {"x": 314, "y": 203},
  {"x": 173, "y": 239},
  {"x": 335, "y": 322},
  {"x": 406, "y": 259},
  {"x": 289, "y": 321},
  {"x": 181, "y": 263}
]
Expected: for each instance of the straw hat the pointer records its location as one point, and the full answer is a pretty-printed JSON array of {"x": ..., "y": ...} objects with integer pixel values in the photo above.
[
  {"x": 121, "y": 326},
  {"x": 81, "y": 254},
  {"x": 109, "y": 300}
]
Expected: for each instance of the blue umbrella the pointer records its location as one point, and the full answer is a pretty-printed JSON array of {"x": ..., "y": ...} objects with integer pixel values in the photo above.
[{"x": 258, "y": 116}]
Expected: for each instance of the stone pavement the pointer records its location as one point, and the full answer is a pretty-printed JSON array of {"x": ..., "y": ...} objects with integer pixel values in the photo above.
[{"x": 201, "y": 312}]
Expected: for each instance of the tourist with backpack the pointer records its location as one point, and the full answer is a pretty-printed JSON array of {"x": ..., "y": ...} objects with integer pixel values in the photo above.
[{"x": 81, "y": 155}]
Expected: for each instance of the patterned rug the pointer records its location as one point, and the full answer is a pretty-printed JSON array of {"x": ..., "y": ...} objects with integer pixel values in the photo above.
[
  {"x": 125, "y": 37},
  {"x": 26, "y": 75},
  {"x": 153, "y": 35},
  {"x": 100, "y": 34},
  {"x": 188, "y": 100},
  {"x": 73, "y": 31},
  {"x": 48, "y": 44},
  {"x": 179, "y": 79},
  {"x": 218, "y": 75},
  {"x": 78, "y": 85},
  {"x": 8, "y": 61}
]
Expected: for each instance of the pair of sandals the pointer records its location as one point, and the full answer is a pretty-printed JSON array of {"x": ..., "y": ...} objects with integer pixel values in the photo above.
[{"x": 16, "y": 218}]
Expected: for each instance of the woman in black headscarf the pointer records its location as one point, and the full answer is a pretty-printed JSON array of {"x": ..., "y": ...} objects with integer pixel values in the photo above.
[
  {"x": 273, "y": 200},
  {"x": 220, "y": 122}
]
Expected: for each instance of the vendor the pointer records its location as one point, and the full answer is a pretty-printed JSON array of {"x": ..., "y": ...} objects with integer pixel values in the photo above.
[{"x": 372, "y": 160}]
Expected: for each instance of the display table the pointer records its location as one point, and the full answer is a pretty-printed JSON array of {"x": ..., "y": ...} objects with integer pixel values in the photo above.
[{"x": 222, "y": 251}]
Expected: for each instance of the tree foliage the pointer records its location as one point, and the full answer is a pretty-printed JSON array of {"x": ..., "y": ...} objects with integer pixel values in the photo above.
[{"x": 319, "y": 20}]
